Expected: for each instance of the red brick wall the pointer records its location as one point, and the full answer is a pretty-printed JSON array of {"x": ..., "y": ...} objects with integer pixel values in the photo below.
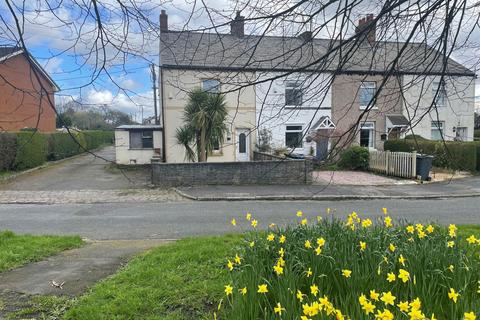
[{"x": 21, "y": 104}]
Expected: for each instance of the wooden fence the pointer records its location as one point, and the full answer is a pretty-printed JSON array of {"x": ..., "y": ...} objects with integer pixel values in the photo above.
[{"x": 397, "y": 164}]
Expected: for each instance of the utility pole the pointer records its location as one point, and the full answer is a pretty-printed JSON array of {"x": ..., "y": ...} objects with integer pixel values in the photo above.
[{"x": 154, "y": 81}]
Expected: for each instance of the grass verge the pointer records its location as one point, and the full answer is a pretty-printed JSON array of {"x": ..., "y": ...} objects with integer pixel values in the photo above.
[
  {"x": 183, "y": 280},
  {"x": 17, "y": 250}
]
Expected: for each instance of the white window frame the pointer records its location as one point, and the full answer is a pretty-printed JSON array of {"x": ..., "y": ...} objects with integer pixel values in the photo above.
[
  {"x": 437, "y": 126},
  {"x": 368, "y": 125},
  {"x": 214, "y": 89},
  {"x": 294, "y": 131},
  {"x": 367, "y": 85},
  {"x": 441, "y": 98},
  {"x": 294, "y": 85}
]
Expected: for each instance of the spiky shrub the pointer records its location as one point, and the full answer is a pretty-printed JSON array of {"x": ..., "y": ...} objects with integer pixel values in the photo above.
[{"x": 354, "y": 270}]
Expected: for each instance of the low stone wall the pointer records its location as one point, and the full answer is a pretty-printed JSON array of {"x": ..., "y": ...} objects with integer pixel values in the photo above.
[{"x": 227, "y": 173}]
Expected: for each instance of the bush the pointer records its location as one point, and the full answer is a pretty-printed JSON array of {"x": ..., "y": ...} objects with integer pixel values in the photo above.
[
  {"x": 414, "y": 136},
  {"x": 354, "y": 158},
  {"x": 453, "y": 155},
  {"x": 347, "y": 269},
  {"x": 31, "y": 150},
  {"x": 8, "y": 150}
]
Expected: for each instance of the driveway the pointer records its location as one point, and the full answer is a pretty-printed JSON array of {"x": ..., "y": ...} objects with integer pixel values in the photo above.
[{"x": 84, "y": 172}]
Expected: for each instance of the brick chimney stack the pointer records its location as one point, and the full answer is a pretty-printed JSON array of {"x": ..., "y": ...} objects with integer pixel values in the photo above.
[
  {"x": 163, "y": 21},
  {"x": 237, "y": 26},
  {"x": 367, "y": 23}
]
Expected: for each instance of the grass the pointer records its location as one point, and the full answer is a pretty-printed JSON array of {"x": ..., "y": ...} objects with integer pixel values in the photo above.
[
  {"x": 17, "y": 250},
  {"x": 183, "y": 280}
]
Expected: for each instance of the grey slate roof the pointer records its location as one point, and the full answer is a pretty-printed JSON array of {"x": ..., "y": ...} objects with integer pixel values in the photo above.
[
  {"x": 399, "y": 120},
  {"x": 193, "y": 50},
  {"x": 5, "y": 51},
  {"x": 139, "y": 127}
]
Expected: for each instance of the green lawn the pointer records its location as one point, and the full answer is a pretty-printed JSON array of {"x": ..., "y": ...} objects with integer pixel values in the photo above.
[
  {"x": 16, "y": 250},
  {"x": 183, "y": 280}
]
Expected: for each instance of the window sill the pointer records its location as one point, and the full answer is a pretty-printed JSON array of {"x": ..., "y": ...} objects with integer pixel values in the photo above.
[{"x": 365, "y": 108}]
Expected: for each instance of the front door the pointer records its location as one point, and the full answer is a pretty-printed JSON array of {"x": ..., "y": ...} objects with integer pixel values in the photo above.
[{"x": 243, "y": 144}]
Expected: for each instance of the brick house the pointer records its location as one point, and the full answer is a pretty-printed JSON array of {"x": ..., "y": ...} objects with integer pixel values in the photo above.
[{"x": 26, "y": 93}]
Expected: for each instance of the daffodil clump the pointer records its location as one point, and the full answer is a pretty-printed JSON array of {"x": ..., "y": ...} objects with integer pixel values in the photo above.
[{"x": 352, "y": 269}]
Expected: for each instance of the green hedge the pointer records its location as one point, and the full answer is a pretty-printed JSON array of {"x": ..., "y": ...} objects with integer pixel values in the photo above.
[
  {"x": 453, "y": 155},
  {"x": 24, "y": 150},
  {"x": 354, "y": 158}
]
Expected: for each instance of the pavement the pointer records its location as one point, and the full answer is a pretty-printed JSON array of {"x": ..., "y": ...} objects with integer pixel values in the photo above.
[
  {"x": 459, "y": 188},
  {"x": 355, "y": 178}
]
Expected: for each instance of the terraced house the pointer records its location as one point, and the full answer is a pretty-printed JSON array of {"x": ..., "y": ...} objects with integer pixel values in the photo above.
[{"x": 309, "y": 95}]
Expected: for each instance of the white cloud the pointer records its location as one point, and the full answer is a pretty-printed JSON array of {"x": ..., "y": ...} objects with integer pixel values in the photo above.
[
  {"x": 53, "y": 65},
  {"x": 128, "y": 104}
]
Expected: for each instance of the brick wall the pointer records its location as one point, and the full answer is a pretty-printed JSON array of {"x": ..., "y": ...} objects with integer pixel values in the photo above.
[{"x": 237, "y": 173}]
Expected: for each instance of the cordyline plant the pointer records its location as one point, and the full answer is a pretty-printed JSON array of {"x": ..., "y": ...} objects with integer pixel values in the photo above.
[
  {"x": 204, "y": 124},
  {"x": 354, "y": 270}
]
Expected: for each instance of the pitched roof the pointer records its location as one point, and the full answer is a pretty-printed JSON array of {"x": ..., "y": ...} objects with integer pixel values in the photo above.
[
  {"x": 193, "y": 50},
  {"x": 7, "y": 52}
]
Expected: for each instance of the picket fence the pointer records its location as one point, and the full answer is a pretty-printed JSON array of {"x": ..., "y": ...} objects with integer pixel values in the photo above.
[{"x": 397, "y": 164}]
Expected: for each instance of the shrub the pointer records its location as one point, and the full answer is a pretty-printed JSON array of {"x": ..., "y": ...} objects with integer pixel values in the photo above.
[
  {"x": 8, "y": 150},
  {"x": 451, "y": 154},
  {"x": 414, "y": 136},
  {"x": 354, "y": 158},
  {"x": 347, "y": 269},
  {"x": 95, "y": 139},
  {"x": 31, "y": 150},
  {"x": 62, "y": 145}
]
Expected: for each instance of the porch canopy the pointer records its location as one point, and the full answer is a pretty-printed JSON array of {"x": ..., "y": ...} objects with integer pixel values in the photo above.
[{"x": 397, "y": 121}]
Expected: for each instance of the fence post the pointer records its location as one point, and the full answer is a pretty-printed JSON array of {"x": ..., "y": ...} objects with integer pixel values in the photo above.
[
  {"x": 387, "y": 162},
  {"x": 414, "y": 164}
]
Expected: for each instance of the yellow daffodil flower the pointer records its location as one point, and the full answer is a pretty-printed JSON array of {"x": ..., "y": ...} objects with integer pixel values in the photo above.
[
  {"x": 248, "y": 216},
  {"x": 402, "y": 260},
  {"x": 391, "y": 247},
  {"x": 403, "y": 306},
  {"x": 318, "y": 251},
  {"x": 416, "y": 304},
  {"x": 469, "y": 316},
  {"x": 368, "y": 307},
  {"x": 300, "y": 295},
  {"x": 282, "y": 239},
  {"x": 278, "y": 269},
  {"x": 450, "y": 244},
  {"x": 314, "y": 290},
  {"x": 452, "y": 231},
  {"x": 320, "y": 242},
  {"x": 385, "y": 212},
  {"x": 251, "y": 244},
  {"x": 237, "y": 259},
  {"x": 366, "y": 223},
  {"x": 308, "y": 244},
  {"x": 374, "y": 295},
  {"x": 472, "y": 239},
  {"x": 304, "y": 222},
  {"x": 388, "y": 222},
  {"x": 233, "y": 222},
  {"x": 430, "y": 228},
  {"x": 309, "y": 272},
  {"x": 451, "y": 268},
  {"x": 384, "y": 315},
  {"x": 346, "y": 273},
  {"x": 230, "y": 265},
  {"x": 391, "y": 277},
  {"x": 278, "y": 309},
  {"x": 410, "y": 229},
  {"x": 270, "y": 237},
  {"x": 299, "y": 214},
  {"x": 243, "y": 291},
  {"x": 254, "y": 223},
  {"x": 228, "y": 290},
  {"x": 452, "y": 295},
  {"x": 388, "y": 298},
  {"x": 363, "y": 246},
  {"x": 404, "y": 275},
  {"x": 262, "y": 288}
]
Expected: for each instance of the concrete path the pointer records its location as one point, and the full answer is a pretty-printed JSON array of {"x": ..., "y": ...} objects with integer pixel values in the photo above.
[
  {"x": 84, "y": 172},
  {"x": 77, "y": 268},
  {"x": 355, "y": 178}
]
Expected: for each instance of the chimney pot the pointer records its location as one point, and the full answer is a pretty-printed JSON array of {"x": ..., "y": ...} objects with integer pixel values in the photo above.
[
  {"x": 367, "y": 22},
  {"x": 163, "y": 21},
  {"x": 237, "y": 26}
]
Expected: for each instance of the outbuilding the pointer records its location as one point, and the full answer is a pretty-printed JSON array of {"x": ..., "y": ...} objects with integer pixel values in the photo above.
[{"x": 138, "y": 144}]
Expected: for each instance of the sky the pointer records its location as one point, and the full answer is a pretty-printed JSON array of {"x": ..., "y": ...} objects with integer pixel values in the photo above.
[{"x": 63, "y": 41}]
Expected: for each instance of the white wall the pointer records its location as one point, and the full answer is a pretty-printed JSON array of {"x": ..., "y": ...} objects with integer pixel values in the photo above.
[
  {"x": 274, "y": 116},
  {"x": 458, "y": 112},
  {"x": 125, "y": 155}
]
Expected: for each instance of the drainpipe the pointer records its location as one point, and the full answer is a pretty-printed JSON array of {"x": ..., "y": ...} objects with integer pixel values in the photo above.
[{"x": 163, "y": 27}]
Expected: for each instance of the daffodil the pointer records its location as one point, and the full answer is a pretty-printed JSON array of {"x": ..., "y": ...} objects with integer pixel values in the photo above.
[
  {"x": 416, "y": 304},
  {"x": 388, "y": 222},
  {"x": 452, "y": 230},
  {"x": 278, "y": 309},
  {"x": 281, "y": 252},
  {"x": 282, "y": 239},
  {"x": 308, "y": 244},
  {"x": 363, "y": 246},
  {"x": 320, "y": 242},
  {"x": 304, "y": 222},
  {"x": 243, "y": 291},
  {"x": 384, "y": 211},
  {"x": 384, "y": 315},
  {"x": 469, "y": 316},
  {"x": 299, "y": 214},
  {"x": 404, "y": 275},
  {"x": 402, "y": 260},
  {"x": 403, "y": 306},
  {"x": 300, "y": 295},
  {"x": 368, "y": 307},
  {"x": 233, "y": 222},
  {"x": 430, "y": 228},
  {"x": 391, "y": 247},
  {"x": 410, "y": 229},
  {"x": 472, "y": 239},
  {"x": 391, "y": 277},
  {"x": 254, "y": 223},
  {"x": 309, "y": 272},
  {"x": 248, "y": 216},
  {"x": 230, "y": 265},
  {"x": 270, "y": 237},
  {"x": 346, "y": 273},
  {"x": 451, "y": 268},
  {"x": 374, "y": 295},
  {"x": 314, "y": 290},
  {"x": 318, "y": 251},
  {"x": 262, "y": 288},
  {"x": 366, "y": 223},
  {"x": 228, "y": 290},
  {"x": 452, "y": 295},
  {"x": 450, "y": 244},
  {"x": 278, "y": 269},
  {"x": 362, "y": 299},
  {"x": 388, "y": 298},
  {"x": 251, "y": 244},
  {"x": 237, "y": 259}
]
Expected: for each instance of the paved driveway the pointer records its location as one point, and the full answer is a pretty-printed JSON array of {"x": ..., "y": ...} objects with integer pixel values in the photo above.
[{"x": 84, "y": 172}]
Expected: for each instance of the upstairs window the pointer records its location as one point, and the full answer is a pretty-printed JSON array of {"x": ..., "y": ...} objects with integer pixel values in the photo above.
[
  {"x": 439, "y": 93},
  {"x": 294, "y": 136},
  {"x": 436, "y": 131},
  {"x": 366, "y": 94},
  {"x": 293, "y": 93},
  {"x": 142, "y": 139},
  {"x": 211, "y": 85}
]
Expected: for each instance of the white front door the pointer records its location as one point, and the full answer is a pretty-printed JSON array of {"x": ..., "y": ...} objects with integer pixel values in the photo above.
[{"x": 243, "y": 144}]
